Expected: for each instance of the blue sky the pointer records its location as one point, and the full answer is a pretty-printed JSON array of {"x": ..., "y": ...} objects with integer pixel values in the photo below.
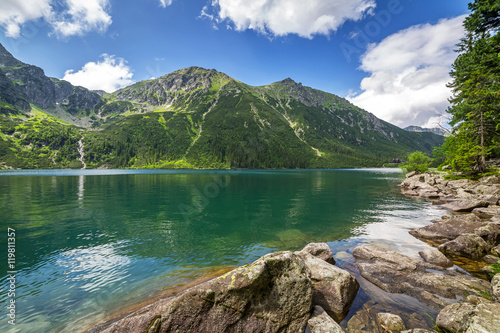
[{"x": 390, "y": 57}]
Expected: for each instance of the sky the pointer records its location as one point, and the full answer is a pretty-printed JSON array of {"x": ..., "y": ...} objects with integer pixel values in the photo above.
[{"x": 389, "y": 57}]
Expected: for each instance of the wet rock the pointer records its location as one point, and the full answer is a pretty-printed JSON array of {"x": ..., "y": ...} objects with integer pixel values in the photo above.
[
  {"x": 391, "y": 322},
  {"x": 495, "y": 288},
  {"x": 456, "y": 317},
  {"x": 397, "y": 273},
  {"x": 449, "y": 228},
  {"x": 321, "y": 322},
  {"x": 433, "y": 256},
  {"x": 417, "y": 330},
  {"x": 464, "y": 205},
  {"x": 319, "y": 250},
  {"x": 273, "y": 294},
  {"x": 334, "y": 289},
  {"x": 468, "y": 245}
]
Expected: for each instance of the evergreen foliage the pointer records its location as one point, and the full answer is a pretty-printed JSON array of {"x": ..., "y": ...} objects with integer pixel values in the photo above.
[
  {"x": 475, "y": 108},
  {"x": 418, "y": 162}
]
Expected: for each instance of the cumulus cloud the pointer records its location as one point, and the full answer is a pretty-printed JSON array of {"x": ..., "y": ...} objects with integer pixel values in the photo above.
[
  {"x": 108, "y": 74},
  {"x": 282, "y": 17},
  {"x": 409, "y": 71},
  {"x": 67, "y": 17},
  {"x": 80, "y": 17},
  {"x": 15, "y": 13}
]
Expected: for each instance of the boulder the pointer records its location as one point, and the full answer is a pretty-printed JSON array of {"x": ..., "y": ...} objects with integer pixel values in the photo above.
[
  {"x": 334, "y": 289},
  {"x": 464, "y": 205},
  {"x": 486, "y": 319},
  {"x": 433, "y": 256},
  {"x": 468, "y": 245},
  {"x": 397, "y": 273},
  {"x": 491, "y": 259},
  {"x": 490, "y": 232},
  {"x": 495, "y": 288},
  {"x": 448, "y": 228},
  {"x": 417, "y": 330},
  {"x": 490, "y": 180},
  {"x": 321, "y": 322},
  {"x": 496, "y": 250},
  {"x": 456, "y": 317},
  {"x": 319, "y": 250},
  {"x": 487, "y": 212},
  {"x": 391, "y": 322},
  {"x": 273, "y": 294}
]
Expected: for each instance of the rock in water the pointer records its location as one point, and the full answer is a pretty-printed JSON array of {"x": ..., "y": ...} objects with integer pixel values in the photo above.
[
  {"x": 321, "y": 322},
  {"x": 433, "y": 256},
  {"x": 334, "y": 289},
  {"x": 273, "y": 294},
  {"x": 467, "y": 245},
  {"x": 321, "y": 251},
  {"x": 465, "y": 205},
  {"x": 448, "y": 229},
  {"x": 391, "y": 322},
  {"x": 397, "y": 273}
]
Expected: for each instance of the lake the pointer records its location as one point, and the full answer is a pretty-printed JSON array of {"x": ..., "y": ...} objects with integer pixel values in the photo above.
[{"x": 90, "y": 243}]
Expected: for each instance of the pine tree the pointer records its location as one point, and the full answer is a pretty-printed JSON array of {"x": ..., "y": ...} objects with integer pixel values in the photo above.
[{"x": 475, "y": 84}]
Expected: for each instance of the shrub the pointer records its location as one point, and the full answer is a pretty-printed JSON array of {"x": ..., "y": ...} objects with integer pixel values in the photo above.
[{"x": 418, "y": 162}]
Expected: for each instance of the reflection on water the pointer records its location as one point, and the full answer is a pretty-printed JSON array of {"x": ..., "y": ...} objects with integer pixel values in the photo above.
[{"x": 93, "y": 241}]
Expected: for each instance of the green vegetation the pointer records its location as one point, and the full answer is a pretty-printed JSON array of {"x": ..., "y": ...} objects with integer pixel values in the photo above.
[
  {"x": 197, "y": 118},
  {"x": 418, "y": 162},
  {"x": 476, "y": 87}
]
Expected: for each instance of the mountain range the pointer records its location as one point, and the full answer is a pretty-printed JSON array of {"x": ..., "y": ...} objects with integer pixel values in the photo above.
[
  {"x": 435, "y": 130},
  {"x": 191, "y": 118}
]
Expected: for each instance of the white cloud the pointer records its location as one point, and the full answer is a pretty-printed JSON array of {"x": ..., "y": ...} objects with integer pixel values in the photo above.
[
  {"x": 165, "y": 3},
  {"x": 67, "y": 17},
  {"x": 109, "y": 74},
  {"x": 409, "y": 72},
  {"x": 282, "y": 17},
  {"x": 15, "y": 13},
  {"x": 80, "y": 17}
]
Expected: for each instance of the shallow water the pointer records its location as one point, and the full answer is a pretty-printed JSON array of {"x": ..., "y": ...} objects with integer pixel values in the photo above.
[{"x": 92, "y": 242}]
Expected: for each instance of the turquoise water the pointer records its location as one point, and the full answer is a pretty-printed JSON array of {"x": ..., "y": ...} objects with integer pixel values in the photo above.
[{"x": 90, "y": 242}]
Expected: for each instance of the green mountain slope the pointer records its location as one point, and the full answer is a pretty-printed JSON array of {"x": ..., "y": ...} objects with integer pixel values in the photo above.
[{"x": 194, "y": 118}]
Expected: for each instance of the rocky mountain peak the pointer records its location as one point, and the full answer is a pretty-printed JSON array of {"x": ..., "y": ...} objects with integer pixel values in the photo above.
[{"x": 7, "y": 59}]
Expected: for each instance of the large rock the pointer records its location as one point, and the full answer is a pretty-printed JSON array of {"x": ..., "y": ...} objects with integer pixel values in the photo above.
[
  {"x": 397, "y": 273},
  {"x": 469, "y": 318},
  {"x": 495, "y": 288},
  {"x": 334, "y": 289},
  {"x": 486, "y": 319},
  {"x": 273, "y": 294},
  {"x": 391, "y": 322},
  {"x": 417, "y": 330},
  {"x": 490, "y": 232},
  {"x": 468, "y": 245},
  {"x": 456, "y": 317},
  {"x": 433, "y": 256},
  {"x": 449, "y": 228},
  {"x": 321, "y": 322},
  {"x": 465, "y": 205},
  {"x": 319, "y": 250},
  {"x": 486, "y": 212}
]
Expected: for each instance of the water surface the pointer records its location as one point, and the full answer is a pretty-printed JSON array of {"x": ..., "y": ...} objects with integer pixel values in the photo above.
[{"x": 90, "y": 242}]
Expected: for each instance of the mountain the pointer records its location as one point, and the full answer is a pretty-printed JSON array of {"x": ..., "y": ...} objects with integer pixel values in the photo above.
[
  {"x": 193, "y": 117},
  {"x": 438, "y": 131}
]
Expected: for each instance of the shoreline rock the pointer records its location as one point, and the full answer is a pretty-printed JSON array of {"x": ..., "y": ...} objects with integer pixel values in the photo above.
[{"x": 276, "y": 293}]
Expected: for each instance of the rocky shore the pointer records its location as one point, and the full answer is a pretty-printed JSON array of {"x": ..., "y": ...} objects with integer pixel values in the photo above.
[{"x": 305, "y": 291}]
